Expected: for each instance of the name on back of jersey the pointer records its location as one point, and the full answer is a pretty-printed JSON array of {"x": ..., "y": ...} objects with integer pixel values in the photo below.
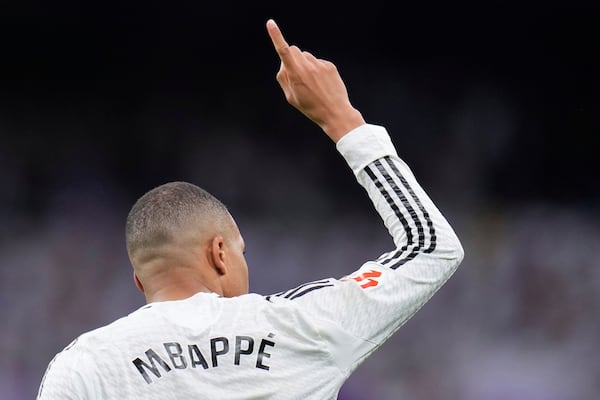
[{"x": 171, "y": 356}]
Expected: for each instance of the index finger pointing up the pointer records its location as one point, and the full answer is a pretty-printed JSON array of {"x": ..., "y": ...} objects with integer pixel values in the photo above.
[{"x": 281, "y": 46}]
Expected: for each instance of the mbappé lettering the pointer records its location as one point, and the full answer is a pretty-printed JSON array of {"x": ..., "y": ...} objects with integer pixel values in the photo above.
[{"x": 240, "y": 350}]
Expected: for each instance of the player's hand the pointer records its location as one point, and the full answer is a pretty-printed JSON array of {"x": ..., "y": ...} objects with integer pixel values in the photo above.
[{"x": 314, "y": 87}]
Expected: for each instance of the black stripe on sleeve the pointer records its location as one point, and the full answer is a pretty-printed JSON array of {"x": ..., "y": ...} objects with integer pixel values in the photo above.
[
  {"x": 392, "y": 204},
  {"x": 396, "y": 260},
  {"x": 392, "y": 183},
  {"x": 291, "y": 292},
  {"x": 310, "y": 289},
  {"x": 419, "y": 204},
  {"x": 393, "y": 259}
]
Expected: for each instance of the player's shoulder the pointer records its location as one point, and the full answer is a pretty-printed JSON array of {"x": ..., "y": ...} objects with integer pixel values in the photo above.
[
  {"x": 70, "y": 373},
  {"x": 79, "y": 347},
  {"x": 72, "y": 350},
  {"x": 72, "y": 359}
]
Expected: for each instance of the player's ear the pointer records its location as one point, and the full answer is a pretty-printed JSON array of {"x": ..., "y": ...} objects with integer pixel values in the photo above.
[
  {"x": 137, "y": 282},
  {"x": 217, "y": 254}
]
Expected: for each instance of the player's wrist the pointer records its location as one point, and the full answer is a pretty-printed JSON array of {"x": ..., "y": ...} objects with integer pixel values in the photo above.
[{"x": 338, "y": 127}]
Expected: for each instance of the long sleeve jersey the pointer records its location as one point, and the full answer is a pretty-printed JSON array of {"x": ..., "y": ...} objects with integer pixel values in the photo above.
[{"x": 301, "y": 343}]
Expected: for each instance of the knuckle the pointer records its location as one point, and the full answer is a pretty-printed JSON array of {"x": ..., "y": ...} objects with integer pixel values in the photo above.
[
  {"x": 329, "y": 65},
  {"x": 283, "y": 50}
]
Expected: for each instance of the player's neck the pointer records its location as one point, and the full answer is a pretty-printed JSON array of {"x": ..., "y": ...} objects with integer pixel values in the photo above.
[
  {"x": 178, "y": 278},
  {"x": 170, "y": 293}
]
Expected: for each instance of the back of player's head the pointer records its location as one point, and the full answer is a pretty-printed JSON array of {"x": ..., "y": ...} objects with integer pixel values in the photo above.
[{"x": 165, "y": 214}]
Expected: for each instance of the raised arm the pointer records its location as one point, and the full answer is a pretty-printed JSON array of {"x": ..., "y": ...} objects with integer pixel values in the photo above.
[{"x": 360, "y": 311}]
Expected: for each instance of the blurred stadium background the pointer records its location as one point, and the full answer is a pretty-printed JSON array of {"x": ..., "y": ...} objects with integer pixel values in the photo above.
[{"x": 494, "y": 106}]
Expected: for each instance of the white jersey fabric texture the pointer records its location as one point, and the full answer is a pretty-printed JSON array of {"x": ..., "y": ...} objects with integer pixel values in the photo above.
[{"x": 298, "y": 344}]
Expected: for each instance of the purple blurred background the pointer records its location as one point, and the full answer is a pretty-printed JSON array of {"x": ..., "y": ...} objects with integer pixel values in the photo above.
[{"x": 495, "y": 107}]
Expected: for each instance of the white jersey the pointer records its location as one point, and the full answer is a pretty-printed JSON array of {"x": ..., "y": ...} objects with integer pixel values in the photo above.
[{"x": 298, "y": 344}]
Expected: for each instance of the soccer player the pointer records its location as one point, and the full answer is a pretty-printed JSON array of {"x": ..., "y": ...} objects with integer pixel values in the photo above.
[{"x": 202, "y": 336}]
